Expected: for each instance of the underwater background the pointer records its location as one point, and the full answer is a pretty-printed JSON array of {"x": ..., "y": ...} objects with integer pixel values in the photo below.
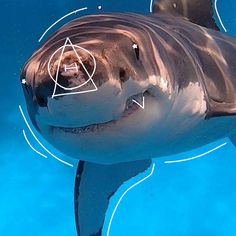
[{"x": 196, "y": 198}]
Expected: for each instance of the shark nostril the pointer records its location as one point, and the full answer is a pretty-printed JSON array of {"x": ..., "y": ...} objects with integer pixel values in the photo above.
[
  {"x": 42, "y": 101},
  {"x": 43, "y": 90},
  {"x": 123, "y": 75},
  {"x": 40, "y": 96}
]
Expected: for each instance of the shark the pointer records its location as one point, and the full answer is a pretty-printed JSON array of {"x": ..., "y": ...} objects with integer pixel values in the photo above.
[{"x": 116, "y": 90}]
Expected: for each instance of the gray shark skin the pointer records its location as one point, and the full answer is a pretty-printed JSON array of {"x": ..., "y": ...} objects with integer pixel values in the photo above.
[
  {"x": 198, "y": 12},
  {"x": 176, "y": 59}
]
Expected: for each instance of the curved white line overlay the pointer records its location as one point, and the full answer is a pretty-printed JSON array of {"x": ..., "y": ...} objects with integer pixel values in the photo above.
[
  {"x": 57, "y": 158},
  {"x": 73, "y": 12},
  {"x": 218, "y": 15},
  {"x": 27, "y": 140},
  {"x": 151, "y": 4},
  {"x": 216, "y": 9},
  {"x": 195, "y": 157},
  {"x": 122, "y": 196}
]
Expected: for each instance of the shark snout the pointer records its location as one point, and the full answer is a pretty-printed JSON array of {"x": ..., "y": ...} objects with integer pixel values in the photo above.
[
  {"x": 74, "y": 108},
  {"x": 76, "y": 93}
]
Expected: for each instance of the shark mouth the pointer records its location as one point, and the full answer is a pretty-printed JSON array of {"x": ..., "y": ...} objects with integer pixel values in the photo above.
[{"x": 130, "y": 108}]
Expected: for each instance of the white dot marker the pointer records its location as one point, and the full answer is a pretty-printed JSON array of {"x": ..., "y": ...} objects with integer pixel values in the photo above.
[
  {"x": 99, "y": 7},
  {"x": 23, "y": 81},
  {"x": 135, "y": 46}
]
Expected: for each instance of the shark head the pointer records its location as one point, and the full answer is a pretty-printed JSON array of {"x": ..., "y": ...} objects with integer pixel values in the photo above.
[
  {"x": 97, "y": 90},
  {"x": 123, "y": 88}
]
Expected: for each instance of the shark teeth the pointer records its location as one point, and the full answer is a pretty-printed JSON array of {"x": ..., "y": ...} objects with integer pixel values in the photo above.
[
  {"x": 130, "y": 108},
  {"x": 85, "y": 129}
]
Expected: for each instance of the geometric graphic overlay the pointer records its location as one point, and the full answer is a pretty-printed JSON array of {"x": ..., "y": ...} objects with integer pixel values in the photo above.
[
  {"x": 37, "y": 140},
  {"x": 73, "y": 68},
  {"x": 140, "y": 101},
  {"x": 124, "y": 193},
  {"x": 23, "y": 81},
  {"x": 62, "y": 18}
]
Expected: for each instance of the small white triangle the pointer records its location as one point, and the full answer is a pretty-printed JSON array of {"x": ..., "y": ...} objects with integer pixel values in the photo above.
[{"x": 141, "y": 104}]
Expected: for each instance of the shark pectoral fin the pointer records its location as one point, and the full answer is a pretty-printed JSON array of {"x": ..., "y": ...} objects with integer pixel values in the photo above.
[
  {"x": 233, "y": 140},
  {"x": 94, "y": 186},
  {"x": 199, "y": 12}
]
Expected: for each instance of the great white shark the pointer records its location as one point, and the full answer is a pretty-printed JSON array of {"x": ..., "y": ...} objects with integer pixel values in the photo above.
[{"x": 174, "y": 61}]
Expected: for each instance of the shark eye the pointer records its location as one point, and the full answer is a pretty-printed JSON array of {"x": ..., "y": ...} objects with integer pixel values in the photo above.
[
  {"x": 136, "y": 50},
  {"x": 24, "y": 84}
]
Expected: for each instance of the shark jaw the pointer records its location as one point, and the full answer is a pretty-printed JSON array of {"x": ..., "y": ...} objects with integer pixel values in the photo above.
[
  {"x": 133, "y": 104},
  {"x": 137, "y": 133},
  {"x": 107, "y": 142}
]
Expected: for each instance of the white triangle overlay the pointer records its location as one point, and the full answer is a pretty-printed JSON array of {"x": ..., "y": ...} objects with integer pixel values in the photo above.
[{"x": 69, "y": 43}]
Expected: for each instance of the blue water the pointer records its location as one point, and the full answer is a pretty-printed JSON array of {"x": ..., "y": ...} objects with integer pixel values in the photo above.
[{"x": 196, "y": 198}]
